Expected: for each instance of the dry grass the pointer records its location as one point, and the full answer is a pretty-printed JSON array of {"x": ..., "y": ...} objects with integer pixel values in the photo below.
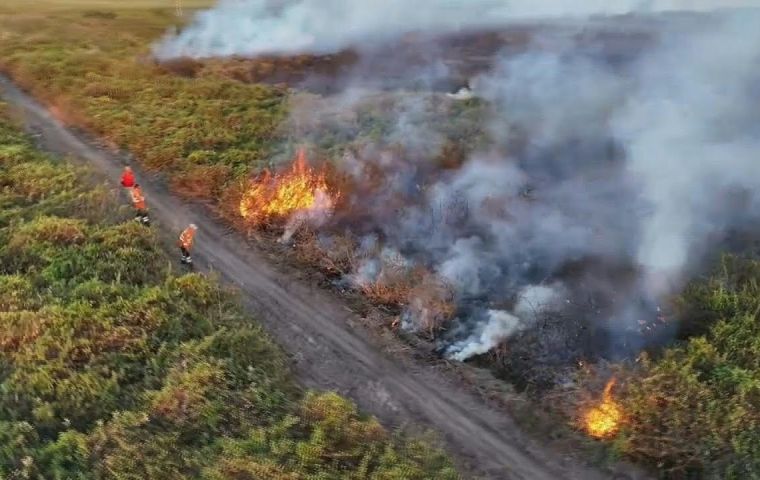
[{"x": 27, "y": 6}]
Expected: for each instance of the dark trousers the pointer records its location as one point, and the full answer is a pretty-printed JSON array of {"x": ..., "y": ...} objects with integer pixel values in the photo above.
[
  {"x": 142, "y": 215},
  {"x": 185, "y": 252}
]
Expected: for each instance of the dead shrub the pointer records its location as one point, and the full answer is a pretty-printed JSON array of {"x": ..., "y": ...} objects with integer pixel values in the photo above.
[
  {"x": 452, "y": 156},
  {"x": 183, "y": 67},
  {"x": 108, "y": 89},
  {"x": 65, "y": 111},
  {"x": 428, "y": 300},
  {"x": 392, "y": 286},
  {"x": 228, "y": 206},
  {"x": 431, "y": 303},
  {"x": 337, "y": 257},
  {"x": 263, "y": 69},
  {"x": 201, "y": 182},
  {"x": 270, "y": 69}
]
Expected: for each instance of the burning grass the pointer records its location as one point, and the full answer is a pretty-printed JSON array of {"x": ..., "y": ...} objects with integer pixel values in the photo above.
[
  {"x": 298, "y": 200},
  {"x": 603, "y": 420},
  {"x": 299, "y": 190}
]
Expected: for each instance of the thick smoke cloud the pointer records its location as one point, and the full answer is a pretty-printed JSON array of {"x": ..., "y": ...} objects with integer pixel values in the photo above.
[
  {"x": 638, "y": 165},
  {"x": 254, "y": 27},
  {"x": 691, "y": 137},
  {"x": 595, "y": 178}
]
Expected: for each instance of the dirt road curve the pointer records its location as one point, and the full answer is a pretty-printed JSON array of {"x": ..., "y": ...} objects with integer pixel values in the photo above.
[{"x": 329, "y": 353}]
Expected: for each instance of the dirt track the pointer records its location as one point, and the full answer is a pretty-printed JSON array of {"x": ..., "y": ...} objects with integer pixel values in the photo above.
[{"x": 329, "y": 347}]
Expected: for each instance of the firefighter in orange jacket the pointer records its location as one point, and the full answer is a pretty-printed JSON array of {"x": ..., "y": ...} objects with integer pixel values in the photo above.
[
  {"x": 138, "y": 200},
  {"x": 186, "y": 243}
]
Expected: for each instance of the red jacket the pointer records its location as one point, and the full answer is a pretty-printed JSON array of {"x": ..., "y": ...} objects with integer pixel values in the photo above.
[{"x": 128, "y": 179}]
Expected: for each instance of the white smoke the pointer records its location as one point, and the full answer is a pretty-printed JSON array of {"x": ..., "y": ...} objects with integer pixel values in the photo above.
[
  {"x": 682, "y": 115},
  {"x": 314, "y": 216},
  {"x": 690, "y": 133},
  {"x": 254, "y": 27},
  {"x": 461, "y": 94},
  {"x": 500, "y": 325}
]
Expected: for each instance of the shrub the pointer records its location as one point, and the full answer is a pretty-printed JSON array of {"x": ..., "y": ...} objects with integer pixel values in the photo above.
[
  {"x": 57, "y": 232},
  {"x": 695, "y": 411},
  {"x": 201, "y": 182}
]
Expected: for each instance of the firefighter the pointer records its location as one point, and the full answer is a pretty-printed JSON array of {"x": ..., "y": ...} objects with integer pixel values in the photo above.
[
  {"x": 186, "y": 243},
  {"x": 138, "y": 200},
  {"x": 127, "y": 178}
]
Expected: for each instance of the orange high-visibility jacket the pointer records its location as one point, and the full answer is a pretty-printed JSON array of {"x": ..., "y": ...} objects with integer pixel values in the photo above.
[
  {"x": 138, "y": 200},
  {"x": 186, "y": 238}
]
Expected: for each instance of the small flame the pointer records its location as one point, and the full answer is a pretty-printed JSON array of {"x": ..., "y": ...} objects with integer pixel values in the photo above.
[
  {"x": 603, "y": 420},
  {"x": 277, "y": 196}
]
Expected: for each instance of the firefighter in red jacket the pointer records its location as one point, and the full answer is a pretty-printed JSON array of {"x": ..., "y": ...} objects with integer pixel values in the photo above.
[
  {"x": 128, "y": 178},
  {"x": 186, "y": 243},
  {"x": 138, "y": 200}
]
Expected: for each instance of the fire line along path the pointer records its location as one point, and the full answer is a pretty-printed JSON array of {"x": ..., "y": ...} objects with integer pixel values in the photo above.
[{"x": 328, "y": 351}]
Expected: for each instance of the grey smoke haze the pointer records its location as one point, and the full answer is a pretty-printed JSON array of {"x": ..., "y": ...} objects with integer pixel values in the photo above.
[
  {"x": 682, "y": 117},
  {"x": 254, "y": 27},
  {"x": 691, "y": 134},
  {"x": 638, "y": 165}
]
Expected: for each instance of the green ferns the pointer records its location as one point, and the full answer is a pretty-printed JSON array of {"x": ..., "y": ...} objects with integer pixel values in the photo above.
[
  {"x": 111, "y": 366},
  {"x": 695, "y": 412}
]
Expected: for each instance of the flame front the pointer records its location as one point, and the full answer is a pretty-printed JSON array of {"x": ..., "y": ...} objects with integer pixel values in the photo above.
[
  {"x": 603, "y": 420},
  {"x": 277, "y": 196}
]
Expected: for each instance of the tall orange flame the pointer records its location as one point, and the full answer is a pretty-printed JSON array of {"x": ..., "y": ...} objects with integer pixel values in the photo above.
[
  {"x": 277, "y": 196},
  {"x": 603, "y": 420}
]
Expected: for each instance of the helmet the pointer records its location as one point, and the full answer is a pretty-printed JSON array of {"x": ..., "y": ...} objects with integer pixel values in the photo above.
[{"x": 194, "y": 226}]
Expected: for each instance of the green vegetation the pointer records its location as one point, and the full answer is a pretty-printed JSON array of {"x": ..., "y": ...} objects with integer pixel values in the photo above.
[
  {"x": 695, "y": 411},
  {"x": 112, "y": 366}
]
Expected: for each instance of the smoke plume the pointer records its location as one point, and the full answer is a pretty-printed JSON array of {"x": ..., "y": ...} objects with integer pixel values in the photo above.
[
  {"x": 584, "y": 182},
  {"x": 500, "y": 325},
  {"x": 254, "y": 27}
]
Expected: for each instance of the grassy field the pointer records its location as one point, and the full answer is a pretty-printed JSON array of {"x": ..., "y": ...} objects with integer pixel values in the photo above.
[
  {"x": 113, "y": 366},
  {"x": 93, "y": 66},
  {"x": 83, "y": 5},
  {"x": 691, "y": 411}
]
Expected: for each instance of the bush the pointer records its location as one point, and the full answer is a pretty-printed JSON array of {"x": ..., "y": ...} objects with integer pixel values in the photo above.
[{"x": 695, "y": 412}]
